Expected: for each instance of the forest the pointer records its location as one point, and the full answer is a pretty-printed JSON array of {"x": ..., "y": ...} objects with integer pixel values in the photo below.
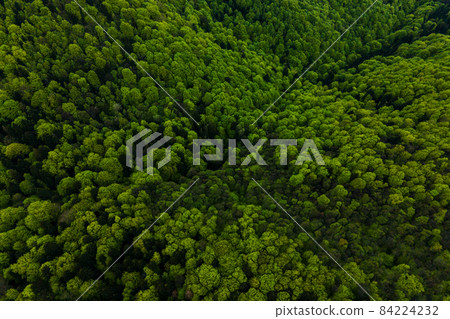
[{"x": 376, "y": 104}]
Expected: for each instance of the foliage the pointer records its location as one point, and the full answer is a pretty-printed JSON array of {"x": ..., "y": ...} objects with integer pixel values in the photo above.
[{"x": 376, "y": 105}]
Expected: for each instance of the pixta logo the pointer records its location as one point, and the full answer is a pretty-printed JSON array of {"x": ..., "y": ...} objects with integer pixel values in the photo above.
[
  {"x": 309, "y": 148},
  {"x": 145, "y": 144},
  {"x": 304, "y": 156}
]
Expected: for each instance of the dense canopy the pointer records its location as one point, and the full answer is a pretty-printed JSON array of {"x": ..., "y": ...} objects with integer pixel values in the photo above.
[{"x": 377, "y": 105}]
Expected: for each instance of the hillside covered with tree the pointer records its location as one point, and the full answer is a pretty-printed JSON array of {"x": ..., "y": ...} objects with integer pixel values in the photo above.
[{"x": 377, "y": 105}]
